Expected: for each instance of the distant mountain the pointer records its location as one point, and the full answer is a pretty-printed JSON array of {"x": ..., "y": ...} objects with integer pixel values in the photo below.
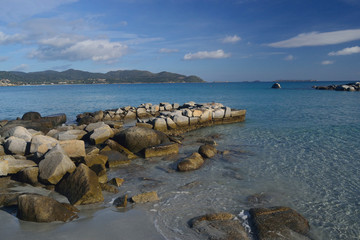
[{"x": 72, "y": 76}]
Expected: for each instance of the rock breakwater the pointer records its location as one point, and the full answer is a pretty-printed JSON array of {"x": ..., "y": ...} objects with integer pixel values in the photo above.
[
  {"x": 350, "y": 87},
  {"x": 169, "y": 118}
]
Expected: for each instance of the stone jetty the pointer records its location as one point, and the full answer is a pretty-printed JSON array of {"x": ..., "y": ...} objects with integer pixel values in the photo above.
[
  {"x": 74, "y": 160},
  {"x": 169, "y": 118},
  {"x": 350, "y": 87}
]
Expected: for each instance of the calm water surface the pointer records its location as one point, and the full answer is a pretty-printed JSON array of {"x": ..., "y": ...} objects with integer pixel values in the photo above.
[{"x": 298, "y": 146}]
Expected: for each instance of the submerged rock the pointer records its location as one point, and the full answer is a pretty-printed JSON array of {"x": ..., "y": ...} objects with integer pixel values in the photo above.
[
  {"x": 145, "y": 197},
  {"x": 279, "y": 223},
  {"x": 222, "y": 226},
  {"x": 195, "y": 161},
  {"x": 36, "y": 208}
]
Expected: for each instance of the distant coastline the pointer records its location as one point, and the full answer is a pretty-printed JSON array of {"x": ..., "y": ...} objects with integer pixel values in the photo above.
[{"x": 71, "y": 76}]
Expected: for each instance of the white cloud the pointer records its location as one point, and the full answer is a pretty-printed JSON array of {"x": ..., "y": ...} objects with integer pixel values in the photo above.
[
  {"x": 207, "y": 55},
  {"x": 168, "y": 50},
  {"x": 9, "y": 39},
  {"x": 231, "y": 39},
  {"x": 59, "y": 41},
  {"x": 21, "y": 67},
  {"x": 327, "y": 62},
  {"x": 346, "y": 51},
  {"x": 319, "y": 39},
  {"x": 96, "y": 50},
  {"x": 289, "y": 57}
]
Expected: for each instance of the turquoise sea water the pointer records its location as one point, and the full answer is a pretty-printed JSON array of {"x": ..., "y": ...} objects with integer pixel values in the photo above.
[{"x": 298, "y": 146}]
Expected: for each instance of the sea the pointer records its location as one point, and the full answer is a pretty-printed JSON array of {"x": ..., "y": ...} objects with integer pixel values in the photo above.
[{"x": 298, "y": 147}]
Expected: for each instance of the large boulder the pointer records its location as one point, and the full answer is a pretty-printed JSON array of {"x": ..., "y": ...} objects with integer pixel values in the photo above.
[
  {"x": 73, "y": 134},
  {"x": 92, "y": 126},
  {"x": 55, "y": 119},
  {"x": 28, "y": 175},
  {"x": 279, "y": 223},
  {"x": 41, "y": 144},
  {"x": 181, "y": 121},
  {"x": 96, "y": 162},
  {"x": 73, "y": 148},
  {"x": 31, "y": 116},
  {"x": 19, "y": 132},
  {"x": 4, "y": 167},
  {"x": 195, "y": 161},
  {"x": 137, "y": 138},
  {"x": 219, "y": 226},
  {"x": 101, "y": 134},
  {"x": 55, "y": 165},
  {"x": 160, "y": 124},
  {"x": 37, "y": 208},
  {"x": 16, "y": 165},
  {"x": 15, "y": 145},
  {"x": 81, "y": 187},
  {"x": 219, "y": 114}
]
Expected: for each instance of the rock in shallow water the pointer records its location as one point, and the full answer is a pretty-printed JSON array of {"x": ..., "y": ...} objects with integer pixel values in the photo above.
[
  {"x": 279, "y": 223},
  {"x": 145, "y": 197},
  {"x": 38, "y": 208},
  {"x": 195, "y": 161},
  {"x": 220, "y": 226},
  {"x": 207, "y": 151}
]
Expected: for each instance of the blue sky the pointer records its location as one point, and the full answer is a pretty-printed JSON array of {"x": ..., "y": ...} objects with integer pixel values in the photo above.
[{"x": 218, "y": 40}]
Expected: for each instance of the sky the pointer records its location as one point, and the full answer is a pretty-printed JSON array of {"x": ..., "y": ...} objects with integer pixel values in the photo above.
[{"x": 217, "y": 40}]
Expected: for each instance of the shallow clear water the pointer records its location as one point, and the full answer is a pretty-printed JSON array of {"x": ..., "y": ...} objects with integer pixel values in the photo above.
[{"x": 298, "y": 146}]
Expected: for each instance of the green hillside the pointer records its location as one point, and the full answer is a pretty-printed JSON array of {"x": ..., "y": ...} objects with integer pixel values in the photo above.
[{"x": 72, "y": 76}]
